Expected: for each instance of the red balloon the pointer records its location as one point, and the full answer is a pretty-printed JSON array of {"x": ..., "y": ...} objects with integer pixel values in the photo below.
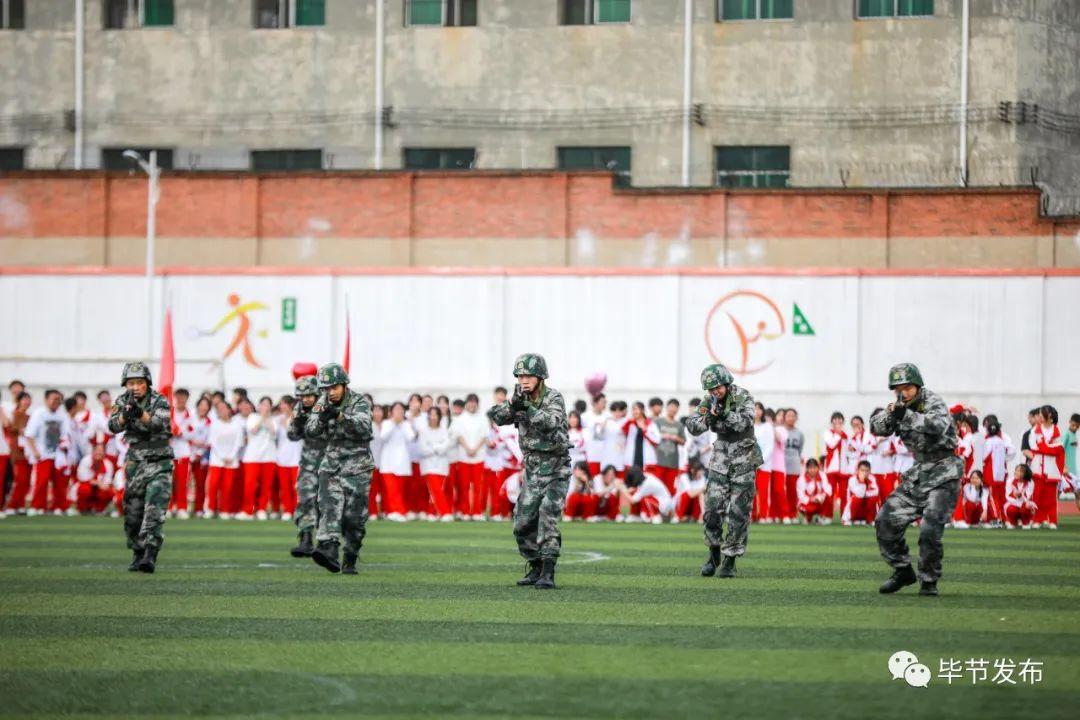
[
  {"x": 303, "y": 369},
  {"x": 594, "y": 384}
]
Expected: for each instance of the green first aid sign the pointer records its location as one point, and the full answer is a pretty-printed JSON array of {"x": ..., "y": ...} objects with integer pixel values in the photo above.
[{"x": 288, "y": 314}]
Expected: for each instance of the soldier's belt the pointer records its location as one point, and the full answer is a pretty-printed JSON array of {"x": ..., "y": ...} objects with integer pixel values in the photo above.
[
  {"x": 934, "y": 456},
  {"x": 736, "y": 436},
  {"x": 152, "y": 444}
]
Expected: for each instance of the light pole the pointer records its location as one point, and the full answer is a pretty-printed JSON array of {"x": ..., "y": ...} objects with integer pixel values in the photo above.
[{"x": 153, "y": 172}]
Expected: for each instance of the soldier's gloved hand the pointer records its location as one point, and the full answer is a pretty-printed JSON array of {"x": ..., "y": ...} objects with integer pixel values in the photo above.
[
  {"x": 898, "y": 411},
  {"x": 517, "y": 400},
  {"x": 330, "y": 413},
  {"x": 132, "y": 412}
]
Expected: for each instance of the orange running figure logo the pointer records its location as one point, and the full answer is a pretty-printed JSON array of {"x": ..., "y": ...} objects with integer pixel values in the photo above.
[
  {"x": 243, "y": 329},
  {"x": 742, "y": 318}
]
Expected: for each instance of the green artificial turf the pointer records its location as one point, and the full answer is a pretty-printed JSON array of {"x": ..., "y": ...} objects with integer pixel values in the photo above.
[{"x": 230, "y": 625}]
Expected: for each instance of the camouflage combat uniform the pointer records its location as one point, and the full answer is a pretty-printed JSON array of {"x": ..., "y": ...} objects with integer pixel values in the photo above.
[
  {"x": 545, "y": 443},
  {"x": 928, "y": 489},
  {"x": 307, "y": 481},
  {"x": 149, "y": 468},
  {"x": 345, "y": 470},
  {"x": 730, "y": 488}
]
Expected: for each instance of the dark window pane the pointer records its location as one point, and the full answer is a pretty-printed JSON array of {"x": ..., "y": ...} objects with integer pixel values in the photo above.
[
  {"x": 772, "y": 158},
  {"x": 268, "y": 14},
  {"x": 12, "y": 158},
  {"x": 876, "y": 8},
  {"x": 113, "y": 158},
  {"x": 468, "y": 14},
  {"x": 574, "y": 12},
  {"x": 159, "y": 13},
  {"x": 915, "y": 7},
  {"x": 753, "y": 166},
  {"x": 116, "y": 14},
  {"x": 614, "y": 11},
  {"x": 739, "y": 9},
  {"x": 733, "y": 158},
  {"x": 16, "y": 13},
  {"x": 310, "y": 12},
  {"x": 439, "y": 158},
  {"x": 277, "y": 160},
  {"x": 777, "y": 9},
  {"x": 425, "y": 12}
]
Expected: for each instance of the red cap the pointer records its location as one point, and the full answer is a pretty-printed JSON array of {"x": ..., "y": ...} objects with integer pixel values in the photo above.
[{"x": 303, "y": 369}]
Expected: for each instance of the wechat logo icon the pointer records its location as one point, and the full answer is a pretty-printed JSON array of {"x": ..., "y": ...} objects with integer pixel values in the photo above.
[{"x": 903, "y": 665}]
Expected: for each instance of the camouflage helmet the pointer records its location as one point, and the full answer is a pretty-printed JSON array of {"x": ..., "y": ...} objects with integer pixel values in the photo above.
[
  {"x": 715, "y": 375},
  {"x": 531, "y": 364},
  {"x": 330, "y": 375},
  {"x": 306, "y": 386},
  {"x": 904, "y": 374},
  {"x": 135, "y": 370}
]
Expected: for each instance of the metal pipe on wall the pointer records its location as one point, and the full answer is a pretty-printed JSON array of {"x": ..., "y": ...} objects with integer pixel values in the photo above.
[
  {"x": 688, "y": 65},
  {"x": 380, "y": 32},
  {"x": 80, "y": 49},
  {"x": 965, "y": 46}
]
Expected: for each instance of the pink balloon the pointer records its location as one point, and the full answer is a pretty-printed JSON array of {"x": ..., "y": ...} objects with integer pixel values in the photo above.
[{"x": 594, "y": 384}]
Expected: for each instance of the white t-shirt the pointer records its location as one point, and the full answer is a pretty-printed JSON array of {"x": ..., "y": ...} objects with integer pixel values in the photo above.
[
  {"x": 225, "y": 439},
  {"x": 200, "y": 433},
  {"x": 261, "y": 444},
  {"x": 593, "y": 425},
  {"x": 180, "y": 444},
  {"x": 395, "y": 439},
  {"x": 434, "y": 447},
  {"x": 288, "y": 451},
  {"x": 48, "y": 429},
  {"x": 100, "y": 475},
  {"x": 473, "y": 429},
  {"x": 880, "y": 462},
  {"x": 577, "y": 446},
  {"x": 653, "y": 487},
  {"x": 614, "y": 442},
  {"x": 494, "y": 455}
]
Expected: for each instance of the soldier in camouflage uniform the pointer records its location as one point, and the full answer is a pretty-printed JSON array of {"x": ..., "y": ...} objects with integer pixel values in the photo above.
[
  {"x": 727, "y": 410},
  {"x": 144, "y": 417},
  {"x": 540, "y": 415},
  {"x": 928, "y": 489},
  {"x": 343, "y": 418},
  {"x": 307, "y": 481}
]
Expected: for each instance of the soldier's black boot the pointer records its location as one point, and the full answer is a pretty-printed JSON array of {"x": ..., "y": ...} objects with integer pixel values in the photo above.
[
  {"x": 149, "y": 560},
  {"x": 305, "y": 547},
  {"x": 326, "y": 555},
  {"x": 928, "y": 588},
  {"x": 709, "y": 568},
  {"x": 901, "y": 577},
  {"x": 136, "y": 558},
  {"x": 348, "y": 566},
  {"x": 547, "y": 575},
  {"x": 727, "y": 566},
  {"x": 533, "y": 574}
]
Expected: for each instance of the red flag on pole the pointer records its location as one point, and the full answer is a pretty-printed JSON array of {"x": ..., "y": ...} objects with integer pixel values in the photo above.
[
  {"x": 348, "y": 339},
  {"x": 167, "y": 371}
]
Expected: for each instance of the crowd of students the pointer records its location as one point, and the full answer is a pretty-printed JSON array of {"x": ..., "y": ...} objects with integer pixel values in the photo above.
[{"x": 441, "y": 460}]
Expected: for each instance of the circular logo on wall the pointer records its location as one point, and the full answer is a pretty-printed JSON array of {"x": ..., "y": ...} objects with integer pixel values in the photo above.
[{"x": 739, "y": 331}]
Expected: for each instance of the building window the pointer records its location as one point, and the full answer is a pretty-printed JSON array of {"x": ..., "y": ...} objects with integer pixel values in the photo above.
[
  {"x": 12, "y": 14},
  {"x": 113, "y": 158},
  {"x": 894, "y": 8},
  {"x": 760, "y": 166},
  {"x": 440, "y": 158},
  {"x": 756, "y": 9},
  {"x": 612, "y": 159},
  {"x": 279, "y": 14},
  {"x": 120, "y": 14},
  {"x": 278, "y": 160},
  {"x": 12, "y": 158},
  {"x": 592, "y": 12},
  {"x": 449, "y": 13}
]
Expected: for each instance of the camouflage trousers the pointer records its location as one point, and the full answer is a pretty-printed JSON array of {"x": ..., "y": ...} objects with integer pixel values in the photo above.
[
  {"x": 537, "y": 513},
  {"x": 343, "y": 507},
  {"x": 730, "y": 498},
  {"x": 307, "y": 499},
  {"x": 908, "y": 502},
  {"x": 147, "y": 487}
]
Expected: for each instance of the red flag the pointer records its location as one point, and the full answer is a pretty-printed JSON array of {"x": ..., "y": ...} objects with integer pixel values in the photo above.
[
  {"x": 348, "y": 340},
  {"x": 167, "y": 371}
]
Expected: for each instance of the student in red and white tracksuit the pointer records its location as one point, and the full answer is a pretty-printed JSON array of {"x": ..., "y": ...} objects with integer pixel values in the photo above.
[
  {"x": 470, "y": 431},
  {"x": 494, "y": 464},
  {"x": 376, "y": 491},
  {"x": 690, "y": 490},
  {"x": 862, "y": 496},
  {"x": 260, "y": 455},
  {"x": 649, "y": 498},
  {"x": 415, "y": 493},
  {"x": 395, "y": 465},
  {"x": 200, "y": 452},
  {"x": 836, "y": 439},
  {"x": 287, "y": 460},
  {"x": 607, "y": 487},
  {"x": 5, "y": 446},
  {"x": 577, "y": 438},
  {"x": 47, "y": 429},
  {"x": 814, "y": 493},
  {"x": 854, "y": 452},
  {"x": 777, "y": 462},
  {"x": 999, "y": 451},
  {"x": 615, "y": 440},
  {"x": 1020, "y": 504},
  {"x": 226, "y": 440},
  {"x": 1047, "y": 465},
  {"x": 882, "y": 458},
  {"x": 976, "y": 500},
  {"x": 581, "y": 503},
  {"x": 593, "y": 424},
  {"x": 94, "y": 482},
  {"x": 642, "y": 436},
  {"x": 903, "y": 460},
  {"x": 180, "y": 442},
  {"x": 433, "y": 444},
  {"x": 965, "y": 450},
  {"x": 763, "y": 436},
  {"x": 512, "y": 457}
]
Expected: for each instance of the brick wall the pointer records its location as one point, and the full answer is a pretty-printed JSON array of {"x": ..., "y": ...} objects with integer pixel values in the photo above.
[{"x": 498, "y": 218}]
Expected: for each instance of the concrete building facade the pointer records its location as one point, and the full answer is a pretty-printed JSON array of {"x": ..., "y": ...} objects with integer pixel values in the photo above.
[{"x": 828, "y": 97}]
